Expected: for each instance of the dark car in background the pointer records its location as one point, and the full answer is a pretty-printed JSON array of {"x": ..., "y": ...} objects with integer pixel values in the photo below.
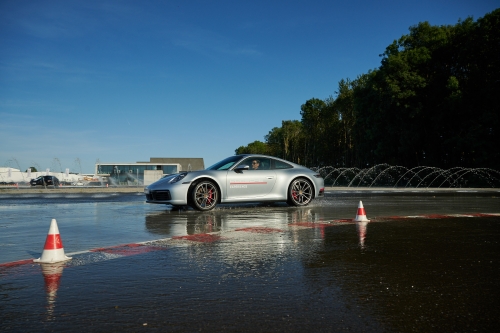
[{"x": 45, "y": 181}]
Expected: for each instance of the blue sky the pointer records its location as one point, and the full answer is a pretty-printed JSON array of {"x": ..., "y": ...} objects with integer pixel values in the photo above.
[{"x": 123, "y": 81}]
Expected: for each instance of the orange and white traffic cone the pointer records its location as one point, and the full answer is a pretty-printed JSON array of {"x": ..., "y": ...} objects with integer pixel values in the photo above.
[
  {"x": 361, "y": 215},
  {"x": 53, "y": 250}
]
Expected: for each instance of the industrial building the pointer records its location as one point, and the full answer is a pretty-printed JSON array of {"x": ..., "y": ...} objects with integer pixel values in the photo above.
[{"x": 145, "y": 173}]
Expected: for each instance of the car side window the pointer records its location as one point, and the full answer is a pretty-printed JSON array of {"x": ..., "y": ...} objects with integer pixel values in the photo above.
[
  {"x": 257, "y": 163},
  {"x": 281, "y": 165}
]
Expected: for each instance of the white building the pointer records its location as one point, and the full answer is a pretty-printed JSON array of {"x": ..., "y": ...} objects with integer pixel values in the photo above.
[{"x": 11, "y": 176}]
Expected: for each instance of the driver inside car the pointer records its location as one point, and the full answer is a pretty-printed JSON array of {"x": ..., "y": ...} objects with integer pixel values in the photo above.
[{"x": 255, "y": 164}]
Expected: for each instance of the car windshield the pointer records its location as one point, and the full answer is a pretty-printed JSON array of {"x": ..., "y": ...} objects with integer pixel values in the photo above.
[{"x": 225, "y": 163}]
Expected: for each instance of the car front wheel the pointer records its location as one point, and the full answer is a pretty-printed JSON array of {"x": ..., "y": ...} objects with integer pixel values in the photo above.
[
  {"x": 204, "y": 195},
  {"x": 300, "y": 192}
]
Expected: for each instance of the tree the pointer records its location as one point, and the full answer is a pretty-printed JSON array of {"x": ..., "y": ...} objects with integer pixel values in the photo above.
[
  {"x": 274, "y": 140},
  {"x": 313, "y": 128},
  {"x": 433, "y": 101},
  {"x": 256, "y": 147}
]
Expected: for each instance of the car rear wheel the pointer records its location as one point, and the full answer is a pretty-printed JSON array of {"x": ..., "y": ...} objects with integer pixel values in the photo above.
[
  {"x": 300, "y": 192},
  {"x": 204, "y": 196}
]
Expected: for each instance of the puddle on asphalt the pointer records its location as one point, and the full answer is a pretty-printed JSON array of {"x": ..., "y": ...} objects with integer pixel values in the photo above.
[{"x": 417, "y": 266}]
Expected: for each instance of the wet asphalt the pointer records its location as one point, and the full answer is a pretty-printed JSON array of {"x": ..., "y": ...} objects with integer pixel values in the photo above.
[{"x": 426, "y": 262}]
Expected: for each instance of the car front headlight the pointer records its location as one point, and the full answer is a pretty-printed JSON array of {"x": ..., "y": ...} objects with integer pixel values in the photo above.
[
  {"x": 146, "y": 190},
  {"x": 179, "y": 177}
]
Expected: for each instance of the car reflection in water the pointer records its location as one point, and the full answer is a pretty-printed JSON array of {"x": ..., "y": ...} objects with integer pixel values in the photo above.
[
  {"x": 251, "y": 239},
  {"x": 187, "y": 222},
  {"x": 171, "y": 223}
]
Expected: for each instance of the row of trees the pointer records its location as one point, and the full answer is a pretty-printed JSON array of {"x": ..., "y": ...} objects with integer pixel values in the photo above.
[{"x": 433, "y": 101}]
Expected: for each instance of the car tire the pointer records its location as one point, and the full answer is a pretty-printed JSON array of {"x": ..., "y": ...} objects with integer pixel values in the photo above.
[
  {"x": 300, "y": 192},
  {"x": 204, "y": 196}
]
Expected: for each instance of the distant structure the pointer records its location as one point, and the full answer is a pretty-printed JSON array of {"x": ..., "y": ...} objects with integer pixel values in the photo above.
[
  {"x": 187, "y": 163},
  {"x": 145, "y": 173},
  {"x": 12, "y": 176}
]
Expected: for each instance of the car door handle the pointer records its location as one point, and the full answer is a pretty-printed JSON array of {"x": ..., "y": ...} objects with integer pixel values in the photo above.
[{"x": 270, "y": 177}]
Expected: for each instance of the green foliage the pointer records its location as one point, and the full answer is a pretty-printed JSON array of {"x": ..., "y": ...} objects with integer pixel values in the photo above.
[
  {"x": 286, "y": 141},
  {"x": 256, "y": 147},
  {"x": 434, "y": 101}
]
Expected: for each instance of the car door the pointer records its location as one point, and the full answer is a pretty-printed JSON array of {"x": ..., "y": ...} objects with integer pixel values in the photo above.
[{"x": 251, "y": 183}]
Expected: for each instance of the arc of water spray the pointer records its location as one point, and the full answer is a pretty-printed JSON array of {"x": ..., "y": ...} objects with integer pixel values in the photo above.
[
  {"x": 368, "y": 172},
  {"x": 354, "y": 170},
  {"x": 460, "y": 173},
  {"x": 417, "y": 175},
  {"x": 19, "y": 167},
  {"x": 58, "y": 162},
  {"x": 37, "y": 166},
  {"x": 435, "y": 170},
  {"x": 386, "y": 170},
  {"x": 487, "y": 172},
  {"x": 466, "y": 171},
  {"x": 444, "y": 173},
  {"x": 411, "y": 170},
  {"x": 328, "y": 171},
  {"x": 79, "y": 164},
  {"x": 362, "y": 172},
  {"x": 423, "y": 174}
]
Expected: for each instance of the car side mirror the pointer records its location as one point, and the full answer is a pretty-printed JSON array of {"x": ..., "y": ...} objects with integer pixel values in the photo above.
[{"x": 240, "y": 168}]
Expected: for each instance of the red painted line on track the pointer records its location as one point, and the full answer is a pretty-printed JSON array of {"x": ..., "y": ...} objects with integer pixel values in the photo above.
[
  {"x": 344, "y": 221},
  {"x": 202, "y": 238},
  {"x": 482, "y": 215},
  {"x": 128, "y": 249},
  {"x": 17, "y": 263},
  {"x": 436, "y": 216},
  {"x": 395, "y": 217},
  {"x": 260, "y": 230},
  {"x": 311, "y": 224},
  {"x": 384, "y": 218}
]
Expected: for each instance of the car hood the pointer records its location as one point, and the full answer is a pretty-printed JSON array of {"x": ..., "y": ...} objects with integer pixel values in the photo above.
[{"x": 165, "y": 180}]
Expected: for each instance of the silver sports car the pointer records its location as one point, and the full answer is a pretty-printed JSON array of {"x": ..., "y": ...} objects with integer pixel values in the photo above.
[{"x": 239, "y": 178}]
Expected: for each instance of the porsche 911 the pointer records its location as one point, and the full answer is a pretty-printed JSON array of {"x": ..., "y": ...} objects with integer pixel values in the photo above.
[{"x": 238, "y": 179}]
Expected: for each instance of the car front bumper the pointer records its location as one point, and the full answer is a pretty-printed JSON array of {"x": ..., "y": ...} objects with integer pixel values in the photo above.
[{"x": 175, "y": 194}]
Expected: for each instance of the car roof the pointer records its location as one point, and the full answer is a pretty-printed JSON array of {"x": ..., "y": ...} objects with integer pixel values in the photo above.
[{"x": 274, "y": 157}]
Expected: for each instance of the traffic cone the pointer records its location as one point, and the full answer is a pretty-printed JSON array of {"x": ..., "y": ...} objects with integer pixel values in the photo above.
[
  {"x": 361, "y": 215},
  {"x": 53, "y": 250}
]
